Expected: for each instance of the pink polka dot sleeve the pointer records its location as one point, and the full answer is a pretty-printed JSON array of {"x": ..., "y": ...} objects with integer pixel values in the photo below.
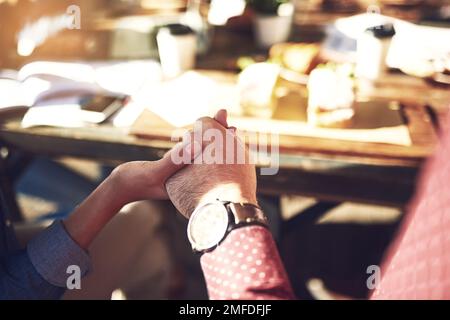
[
  {"x": 246, "y": 265},
  {"x": 417, "y": 265}
]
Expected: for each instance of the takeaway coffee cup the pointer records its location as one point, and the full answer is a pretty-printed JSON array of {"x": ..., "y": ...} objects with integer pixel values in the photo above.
[{"x": 177, "y": 44}]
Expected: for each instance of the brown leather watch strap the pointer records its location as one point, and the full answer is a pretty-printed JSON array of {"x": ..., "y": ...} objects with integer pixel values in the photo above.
[{"x": 247, "y": 213}]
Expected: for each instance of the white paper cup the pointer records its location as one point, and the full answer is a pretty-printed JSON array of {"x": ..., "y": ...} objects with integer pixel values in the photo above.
[{"x": 176, "y": 50}]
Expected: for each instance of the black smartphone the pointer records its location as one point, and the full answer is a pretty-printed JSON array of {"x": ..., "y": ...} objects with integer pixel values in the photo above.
[{"x": 99, "y": 108}]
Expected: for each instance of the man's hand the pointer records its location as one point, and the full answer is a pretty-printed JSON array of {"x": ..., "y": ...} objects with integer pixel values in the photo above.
[
  {"x": 129, "y": 182},
  {"x": 142, "y": 180},
  {"x": 200, "y": 183}
]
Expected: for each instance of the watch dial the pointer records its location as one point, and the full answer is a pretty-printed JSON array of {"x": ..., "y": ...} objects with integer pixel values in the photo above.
[{"x": 208, "y": 226}]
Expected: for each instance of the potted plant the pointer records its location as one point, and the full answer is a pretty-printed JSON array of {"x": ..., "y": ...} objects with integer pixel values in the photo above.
[{"x": 272, "y": 20}]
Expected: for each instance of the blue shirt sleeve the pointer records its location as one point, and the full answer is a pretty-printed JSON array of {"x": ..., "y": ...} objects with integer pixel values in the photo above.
[
  {"x": 40, "y": 271},
  {"x": 20, "y": 280}
]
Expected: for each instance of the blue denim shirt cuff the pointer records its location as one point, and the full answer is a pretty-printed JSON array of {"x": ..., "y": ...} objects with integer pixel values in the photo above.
[{"x": 53, "y": 251}]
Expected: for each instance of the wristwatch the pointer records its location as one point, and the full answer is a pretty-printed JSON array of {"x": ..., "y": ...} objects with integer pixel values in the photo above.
[{"x": 209, "y": 224}]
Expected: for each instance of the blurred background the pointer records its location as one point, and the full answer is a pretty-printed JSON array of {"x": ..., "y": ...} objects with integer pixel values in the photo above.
[
  {"x": 127, "y": 29},
  {"x": 331, "y": 76}
]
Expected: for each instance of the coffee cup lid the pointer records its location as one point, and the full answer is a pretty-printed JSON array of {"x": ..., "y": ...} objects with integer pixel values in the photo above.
[
  {"x": 178, "y": 29},
  {"x": 382, "y": 31}
]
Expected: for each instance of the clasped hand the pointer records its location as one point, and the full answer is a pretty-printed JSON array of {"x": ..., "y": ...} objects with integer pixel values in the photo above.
[{"x": 189, "y": 184}]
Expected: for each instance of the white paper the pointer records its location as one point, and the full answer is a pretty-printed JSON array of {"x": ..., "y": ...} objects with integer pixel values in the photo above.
[
  {"x": 55, "y": 115},
  {"x": 183, "y": 100}
]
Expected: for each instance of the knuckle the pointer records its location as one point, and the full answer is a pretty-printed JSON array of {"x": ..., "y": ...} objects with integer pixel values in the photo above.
[{"x": 204, "y": 119}]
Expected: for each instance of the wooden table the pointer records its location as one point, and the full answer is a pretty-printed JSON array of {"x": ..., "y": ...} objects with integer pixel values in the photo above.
[
  {"x": 362, "y": 173},
  {"x": 353, "y": 175}
]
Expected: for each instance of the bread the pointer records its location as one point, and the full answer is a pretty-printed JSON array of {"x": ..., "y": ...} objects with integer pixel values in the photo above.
[
  {"x": 298, "y": 57},
  {"x": 330, "y": 98}
]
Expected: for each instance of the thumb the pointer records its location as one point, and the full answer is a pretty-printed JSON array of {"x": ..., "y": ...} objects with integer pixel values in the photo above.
[{"x": 221, "y": 117}]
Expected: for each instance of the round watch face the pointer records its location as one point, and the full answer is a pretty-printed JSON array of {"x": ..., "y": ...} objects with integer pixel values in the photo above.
[{"x": 207, "y": 226}]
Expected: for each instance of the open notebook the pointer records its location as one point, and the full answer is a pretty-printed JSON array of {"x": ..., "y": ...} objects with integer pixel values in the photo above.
[{"x": 56, "y": 92}]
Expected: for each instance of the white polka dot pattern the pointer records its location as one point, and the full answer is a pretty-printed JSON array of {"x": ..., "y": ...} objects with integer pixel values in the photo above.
[{"x": 246, "y": 265}]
